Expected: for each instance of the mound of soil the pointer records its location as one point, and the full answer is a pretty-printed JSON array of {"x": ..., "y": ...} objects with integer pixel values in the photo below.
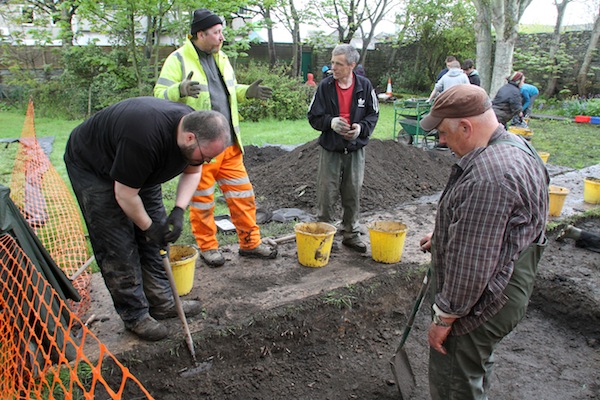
[{"x": 394, "y": 173}]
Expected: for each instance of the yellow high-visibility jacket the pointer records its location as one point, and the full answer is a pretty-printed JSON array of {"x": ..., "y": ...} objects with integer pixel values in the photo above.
[{"x": 180, "y": 63}]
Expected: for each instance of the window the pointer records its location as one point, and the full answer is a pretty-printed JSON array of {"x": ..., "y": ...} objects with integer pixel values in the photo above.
[{"x": 27, "y": 14}]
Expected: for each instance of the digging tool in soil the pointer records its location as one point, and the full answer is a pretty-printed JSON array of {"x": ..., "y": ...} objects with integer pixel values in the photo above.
[
  {"x": 167, "y": 266},
  {"x": 274, "y": 242},
  {"x": 401, "y": 369}
]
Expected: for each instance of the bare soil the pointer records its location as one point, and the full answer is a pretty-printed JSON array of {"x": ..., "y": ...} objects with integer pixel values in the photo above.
[{"x": 278, "y": 330}]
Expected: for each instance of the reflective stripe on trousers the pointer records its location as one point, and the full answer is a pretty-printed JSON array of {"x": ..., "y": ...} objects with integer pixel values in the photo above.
[{"x": 229, "y": 172}]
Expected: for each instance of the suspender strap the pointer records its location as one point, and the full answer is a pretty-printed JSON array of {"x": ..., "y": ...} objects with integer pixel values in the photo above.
[{"x": 521, "y": 144}]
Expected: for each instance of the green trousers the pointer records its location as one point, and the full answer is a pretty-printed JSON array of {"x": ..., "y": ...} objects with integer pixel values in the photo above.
[
  {"x": 342, "y": 175},
  {"x": 464, "y": 373}
]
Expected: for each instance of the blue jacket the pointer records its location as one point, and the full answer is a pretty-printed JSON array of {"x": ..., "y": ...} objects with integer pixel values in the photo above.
[
  {"x": 364, "y": 110},
  {"x": 527, "y": 92}
]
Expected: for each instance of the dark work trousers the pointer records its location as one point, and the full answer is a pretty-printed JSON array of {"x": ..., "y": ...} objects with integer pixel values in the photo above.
[
  {"x": 464, "y": 373},
  {"x": 131, "y": 266},
  {"x": 342, "y": 175}
]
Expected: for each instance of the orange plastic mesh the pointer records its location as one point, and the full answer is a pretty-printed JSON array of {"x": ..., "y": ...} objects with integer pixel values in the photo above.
[
  {"x": 50, "y": 209},
  {"x": 43, "y": 344}
]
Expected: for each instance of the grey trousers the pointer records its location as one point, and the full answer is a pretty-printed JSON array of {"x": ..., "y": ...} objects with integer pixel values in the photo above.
[
  {"x": 131, "y": 266},
  {"x": 340, "y": 174},
  {"x": 464, "y": 373}
]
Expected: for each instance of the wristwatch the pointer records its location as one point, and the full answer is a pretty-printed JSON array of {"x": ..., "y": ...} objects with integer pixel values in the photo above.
[{"x": 438, "y": 321}]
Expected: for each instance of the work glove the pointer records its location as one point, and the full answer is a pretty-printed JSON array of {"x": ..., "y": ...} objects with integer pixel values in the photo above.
[
  {"x": 188, "y": 87},
  {"x": 156, "y": 234},
  {"x": 175, "y": 222},
  {"x": 340, "y": 125},
  {"x": 259, "y": 92},
  {"x": 355, "y": 132}
]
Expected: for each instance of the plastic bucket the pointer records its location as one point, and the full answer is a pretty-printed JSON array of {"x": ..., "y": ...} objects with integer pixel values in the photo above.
[
  {"x": 387, "y": 240},
  {"x": 314, "y": 240},
  {"x": 557, "y": 199},
  {"x": 183, "y": 263},
  {"x": 544, "y": 156},
  {"x": 591, "y": 190}
]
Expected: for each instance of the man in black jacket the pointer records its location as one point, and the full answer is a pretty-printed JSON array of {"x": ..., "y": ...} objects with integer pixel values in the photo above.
[
  {"x": 507, "y": 102},
  {"x": 345, "y": 110}
]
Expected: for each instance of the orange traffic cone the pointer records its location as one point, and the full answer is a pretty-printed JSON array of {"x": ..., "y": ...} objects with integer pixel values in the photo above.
[{"x": 388, "y": 91}]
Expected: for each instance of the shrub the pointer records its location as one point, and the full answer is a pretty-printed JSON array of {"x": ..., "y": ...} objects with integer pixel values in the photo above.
[
  {"x": 581, "y": 106},
  {"x": 291, "y": 96}
]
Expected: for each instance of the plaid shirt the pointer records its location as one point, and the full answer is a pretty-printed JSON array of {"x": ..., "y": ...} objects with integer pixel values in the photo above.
[{"x": 494, "y": 206}]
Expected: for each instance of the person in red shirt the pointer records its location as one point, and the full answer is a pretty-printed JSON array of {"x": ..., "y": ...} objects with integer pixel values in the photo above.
[{"x": 345, "y": 110}]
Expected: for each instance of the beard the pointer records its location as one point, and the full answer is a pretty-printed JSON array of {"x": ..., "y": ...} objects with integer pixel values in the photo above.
[{"x": 188, "y": 154}]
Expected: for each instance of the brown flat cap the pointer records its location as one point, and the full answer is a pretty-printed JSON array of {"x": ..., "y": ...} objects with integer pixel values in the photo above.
[{"x": 459, "y": 101}]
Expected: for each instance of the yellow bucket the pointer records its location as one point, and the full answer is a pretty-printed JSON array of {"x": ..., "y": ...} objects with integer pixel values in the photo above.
[
  {"x": 591, "y": 190},
  {"x": 387, "y": 240},
  {"x": 557, "y": 199},
  {"x": 314, "y": 240},
  {"x": 183, "y": 263},
  {"x": 544, "y": 156}
]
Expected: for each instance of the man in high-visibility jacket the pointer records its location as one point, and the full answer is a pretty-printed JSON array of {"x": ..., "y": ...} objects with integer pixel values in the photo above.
[{"x": 199, "y": 74}]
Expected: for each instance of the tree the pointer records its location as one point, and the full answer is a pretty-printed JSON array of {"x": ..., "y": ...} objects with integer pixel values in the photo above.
[
  {"x": 504, "y": 16},
  {"x": 347, "y": 17},
  {"x": 437, "y": 29},
  {"x": 374, "y": 15},
  {"x": 60, "y": 11},
  {"x": 291, "y": 17},
  {"x": 582, "y": 78},
  {"x": 265, "y": 8},
  {"x": 554, "y": 46}
]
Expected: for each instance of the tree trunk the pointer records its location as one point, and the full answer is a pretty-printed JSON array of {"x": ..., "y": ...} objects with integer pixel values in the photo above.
[
  {"x": 483, "y": 29},
  {"x": 582, "y": 79},
  {"x": 554, "y": 45},
  {"x": 270, "y": 40},
  {"x": 504, "y": 16},
  {"x": 66, "y": 33},
  {"x": 505, "y": 19}
]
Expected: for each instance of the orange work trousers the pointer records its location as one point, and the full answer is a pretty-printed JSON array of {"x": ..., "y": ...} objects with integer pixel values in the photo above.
[{"x": 229, "y": 172}]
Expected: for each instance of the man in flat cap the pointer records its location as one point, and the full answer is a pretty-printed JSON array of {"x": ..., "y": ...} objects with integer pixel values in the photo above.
[
  {"x": 199, "y": 74},
  {"x": 486, "y": 244}
]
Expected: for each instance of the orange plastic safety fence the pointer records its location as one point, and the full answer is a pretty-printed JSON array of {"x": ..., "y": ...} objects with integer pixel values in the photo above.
[
  {"x": 43, "y": 344},
  {"x": 50, "y": 209}
]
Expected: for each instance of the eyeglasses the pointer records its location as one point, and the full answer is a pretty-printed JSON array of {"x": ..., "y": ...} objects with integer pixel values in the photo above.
[{"x": 204, "y": 158}]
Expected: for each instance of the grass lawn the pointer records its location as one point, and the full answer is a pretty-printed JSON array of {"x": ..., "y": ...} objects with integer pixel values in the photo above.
[{"x": 569, "y": 144}]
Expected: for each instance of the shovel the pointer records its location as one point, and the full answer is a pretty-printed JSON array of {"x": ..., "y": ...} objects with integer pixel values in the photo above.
[
  {"x": 401, "y": 369},
  {"x": 167, "y": 266}
]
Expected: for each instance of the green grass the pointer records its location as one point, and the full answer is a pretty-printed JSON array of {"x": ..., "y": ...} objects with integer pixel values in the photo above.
[{"x": 569, "y": 144}]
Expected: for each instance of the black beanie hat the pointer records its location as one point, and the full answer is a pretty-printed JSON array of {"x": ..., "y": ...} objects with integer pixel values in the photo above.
[{"x": 204, "y": 19}]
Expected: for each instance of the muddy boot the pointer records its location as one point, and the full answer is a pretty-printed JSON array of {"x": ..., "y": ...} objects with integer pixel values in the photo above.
[
  {"x": 355, "y": 244},
  {"x": 212, "y": 258},
  {"x": 569, "y": 232},
  {"x": 147, "y": 328},
  {"x": 190, "y": 308},
  {"x": 260, "y": 251}
]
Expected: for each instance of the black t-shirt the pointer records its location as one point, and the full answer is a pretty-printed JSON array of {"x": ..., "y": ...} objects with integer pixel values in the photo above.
[{"x": 133, "y": 142}]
